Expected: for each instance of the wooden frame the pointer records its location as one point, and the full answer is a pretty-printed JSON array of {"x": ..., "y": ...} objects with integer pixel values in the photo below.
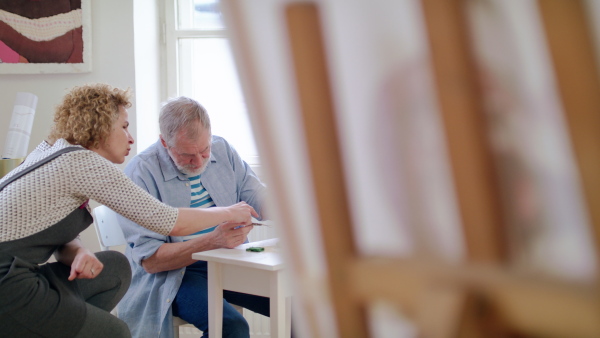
[
  {"x": 482, "y": 295},
  {"x": 313, "y": 85},
  {"x": 570, "y": 42},
  {"x": 520, "y": 303},
  {"x": 78, "y": 18}
]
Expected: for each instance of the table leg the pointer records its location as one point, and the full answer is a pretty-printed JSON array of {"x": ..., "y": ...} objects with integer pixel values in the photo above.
[
  {"x": 215, "y": 300},
  {"x": 288, "y": 317},
  {"x": 278, "y": 306}
]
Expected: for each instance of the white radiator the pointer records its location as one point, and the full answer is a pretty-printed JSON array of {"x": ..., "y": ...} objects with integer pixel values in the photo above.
[{"x": 259, "y": 324}]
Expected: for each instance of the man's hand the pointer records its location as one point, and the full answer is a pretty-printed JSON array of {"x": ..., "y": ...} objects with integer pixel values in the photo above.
[
  {"x": 171, "y": 256},
  {"x": 227, "y": 236}
]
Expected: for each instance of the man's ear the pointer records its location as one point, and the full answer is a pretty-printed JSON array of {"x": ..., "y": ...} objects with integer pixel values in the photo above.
[{"x": 162, "y": 140}]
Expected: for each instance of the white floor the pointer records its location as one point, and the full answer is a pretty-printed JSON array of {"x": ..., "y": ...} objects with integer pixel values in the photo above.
[{"x": 259, "y": 327}]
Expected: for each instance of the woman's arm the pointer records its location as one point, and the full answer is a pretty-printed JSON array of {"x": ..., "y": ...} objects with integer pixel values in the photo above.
[
  {"x": 105, "y": 183},
  {"x": 192, "y": 220}
]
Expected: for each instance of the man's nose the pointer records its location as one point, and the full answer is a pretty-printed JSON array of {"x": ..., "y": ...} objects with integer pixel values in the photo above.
[{"x": 197, "y": 159}]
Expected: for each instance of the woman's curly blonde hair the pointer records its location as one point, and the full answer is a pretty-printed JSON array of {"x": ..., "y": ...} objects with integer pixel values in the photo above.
[{"x": 87, "y": 113}]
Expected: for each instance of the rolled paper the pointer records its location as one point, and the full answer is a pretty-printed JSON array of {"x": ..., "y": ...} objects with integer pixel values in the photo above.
[
  {"x": 21, "y": 123},
  {"x": 8, "y": 164}
]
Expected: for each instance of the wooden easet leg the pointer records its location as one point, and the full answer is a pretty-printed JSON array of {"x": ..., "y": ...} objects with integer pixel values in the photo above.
[{"x": 481, "y": 319}]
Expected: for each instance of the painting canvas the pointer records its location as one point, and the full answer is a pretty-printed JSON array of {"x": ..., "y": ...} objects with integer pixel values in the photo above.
[
  {"x": 403, "y": 202},
  {"x": 45, "y": 37},
  {"x": 546, "y": 221}
]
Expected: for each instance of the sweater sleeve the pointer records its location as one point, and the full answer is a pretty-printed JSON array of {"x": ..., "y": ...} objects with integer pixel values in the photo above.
[{"x": 105, "y": 183}]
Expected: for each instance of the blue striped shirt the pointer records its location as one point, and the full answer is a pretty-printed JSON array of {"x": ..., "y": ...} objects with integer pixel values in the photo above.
[{"x": 200, "y": 198}]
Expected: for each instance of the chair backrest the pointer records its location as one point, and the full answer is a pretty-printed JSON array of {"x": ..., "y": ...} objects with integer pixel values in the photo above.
[
  {"x": 110, "y": 234},
  {"x": 108, "y": 228}
]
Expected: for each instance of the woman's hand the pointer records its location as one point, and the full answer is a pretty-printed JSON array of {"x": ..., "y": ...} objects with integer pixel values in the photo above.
[
  {"x": 191, "y": 220},
  {"x": 85, "y": 265},
  {"x": 83, "y": 262},
  {"x": 241, "y": 213}
]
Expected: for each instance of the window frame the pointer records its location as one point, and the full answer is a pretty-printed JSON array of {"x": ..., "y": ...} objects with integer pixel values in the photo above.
[
  {"x": 171, "y": 66},
  {"x": 171, "y": 37}
]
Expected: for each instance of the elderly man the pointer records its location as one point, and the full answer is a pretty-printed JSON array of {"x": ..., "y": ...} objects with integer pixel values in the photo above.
[{"x": 187, "y": 167}]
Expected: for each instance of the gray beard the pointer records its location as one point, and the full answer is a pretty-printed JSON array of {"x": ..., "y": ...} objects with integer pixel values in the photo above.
[{"x": 190, "y": 172}]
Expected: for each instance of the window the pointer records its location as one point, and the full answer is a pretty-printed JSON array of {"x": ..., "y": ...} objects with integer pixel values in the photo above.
[{"x": 200, "y": 66}]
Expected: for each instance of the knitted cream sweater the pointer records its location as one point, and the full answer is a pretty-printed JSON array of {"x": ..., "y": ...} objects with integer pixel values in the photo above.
[{"x": 45, "y": 196}]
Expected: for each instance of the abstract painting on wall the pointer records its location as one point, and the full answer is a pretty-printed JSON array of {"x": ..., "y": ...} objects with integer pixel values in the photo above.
[{"x": 39, "y": 37}]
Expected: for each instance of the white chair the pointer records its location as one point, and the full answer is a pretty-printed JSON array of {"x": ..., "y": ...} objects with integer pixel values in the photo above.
[
  {"x": 110, "y": 234},
  {"x": 107, "y": 227}
]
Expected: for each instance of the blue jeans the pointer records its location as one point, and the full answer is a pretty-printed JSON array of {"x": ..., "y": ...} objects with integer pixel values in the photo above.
[{"x": 191, "y": 304}]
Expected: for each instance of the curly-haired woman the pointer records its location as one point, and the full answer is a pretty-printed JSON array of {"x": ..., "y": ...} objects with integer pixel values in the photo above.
[{"x": 43, "y": 208}]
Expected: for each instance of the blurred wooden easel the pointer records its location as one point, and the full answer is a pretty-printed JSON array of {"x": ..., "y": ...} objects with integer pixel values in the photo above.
[{"x": 480, "y": 297}]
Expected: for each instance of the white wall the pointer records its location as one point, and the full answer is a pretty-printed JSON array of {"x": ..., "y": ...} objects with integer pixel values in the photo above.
[
  {"x": 149, "y": 87},
  {"x": 112, "y": 63}
]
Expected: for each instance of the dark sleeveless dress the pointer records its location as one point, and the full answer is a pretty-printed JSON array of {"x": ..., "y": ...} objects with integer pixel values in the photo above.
[{"x": 35, "y": 297}]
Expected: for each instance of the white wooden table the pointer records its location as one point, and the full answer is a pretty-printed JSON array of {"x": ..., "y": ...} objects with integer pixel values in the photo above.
[{"x": 256, "y": 273}]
